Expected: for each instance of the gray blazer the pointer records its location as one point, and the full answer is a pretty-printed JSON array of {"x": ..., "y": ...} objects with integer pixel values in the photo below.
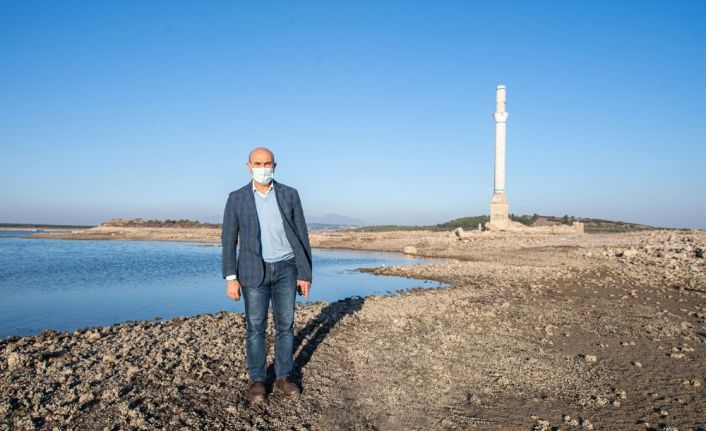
[{"x": 240, "y": 220}]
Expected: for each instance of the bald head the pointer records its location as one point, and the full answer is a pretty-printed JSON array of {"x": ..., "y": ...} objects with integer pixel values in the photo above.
[
  {"x": 262, "y": 161},
  {"x": 262, "y": 155}
]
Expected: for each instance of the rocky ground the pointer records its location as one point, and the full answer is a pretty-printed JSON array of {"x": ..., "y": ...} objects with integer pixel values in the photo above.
[{"x": 534, "y": 332}]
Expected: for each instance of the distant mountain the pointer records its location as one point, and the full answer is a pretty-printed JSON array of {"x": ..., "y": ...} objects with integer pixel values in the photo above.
[{"x": 335, "y": 219}]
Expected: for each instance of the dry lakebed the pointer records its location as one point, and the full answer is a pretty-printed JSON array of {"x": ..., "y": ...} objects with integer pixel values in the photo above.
[{"x": 534, "y": 331}]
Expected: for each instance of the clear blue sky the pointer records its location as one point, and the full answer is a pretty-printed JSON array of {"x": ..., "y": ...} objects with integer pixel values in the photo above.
[{"x": 380, "y": 111}]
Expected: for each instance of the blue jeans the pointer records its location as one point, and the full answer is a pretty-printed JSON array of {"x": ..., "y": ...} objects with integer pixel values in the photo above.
[{"x": 280, "y": 284}]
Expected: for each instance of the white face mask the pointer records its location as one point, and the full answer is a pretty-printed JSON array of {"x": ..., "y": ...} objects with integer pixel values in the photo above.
[{"x": 263, "y": 175}]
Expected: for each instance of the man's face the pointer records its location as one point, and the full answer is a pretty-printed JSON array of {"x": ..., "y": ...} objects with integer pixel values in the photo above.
[{"x": 261, "y": 159}]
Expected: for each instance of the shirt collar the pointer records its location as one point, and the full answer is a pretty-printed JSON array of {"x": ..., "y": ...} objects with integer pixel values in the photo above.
[{"x": 254, "y": 189}]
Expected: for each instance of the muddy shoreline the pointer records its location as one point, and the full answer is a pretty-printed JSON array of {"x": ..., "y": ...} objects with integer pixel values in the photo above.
[{"x": 600, "y": 331}]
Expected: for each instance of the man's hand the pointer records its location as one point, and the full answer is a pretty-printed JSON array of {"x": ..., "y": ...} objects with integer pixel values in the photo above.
[
  {"x": 303, "y": 286},
  {"x": 233, "y": 289}
]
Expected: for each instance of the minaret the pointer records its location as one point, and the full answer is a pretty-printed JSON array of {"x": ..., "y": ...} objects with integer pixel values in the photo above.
[{"x": 499, "y": 208}]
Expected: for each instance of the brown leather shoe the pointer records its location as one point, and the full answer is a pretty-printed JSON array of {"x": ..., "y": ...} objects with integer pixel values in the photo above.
[
  {"x": 288, "y": 387},
  {"x": 256, "y": 391}
]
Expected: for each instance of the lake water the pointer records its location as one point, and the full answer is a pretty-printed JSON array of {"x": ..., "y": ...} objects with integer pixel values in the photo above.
[{"x": 68, "y": 284}]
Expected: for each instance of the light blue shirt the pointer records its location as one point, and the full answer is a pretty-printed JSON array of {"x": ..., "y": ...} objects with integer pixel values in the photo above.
[{"x": 275, "y": 245}]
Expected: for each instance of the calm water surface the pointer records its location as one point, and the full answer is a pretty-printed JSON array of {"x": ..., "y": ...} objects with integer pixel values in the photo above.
[{"x": 69, "y": 284}]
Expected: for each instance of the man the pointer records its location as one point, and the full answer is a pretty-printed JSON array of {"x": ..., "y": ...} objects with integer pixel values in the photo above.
[{"x": 274, "y": 261}]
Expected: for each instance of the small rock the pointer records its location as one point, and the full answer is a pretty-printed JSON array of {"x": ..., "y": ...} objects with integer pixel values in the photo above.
[
  {"x": 16, "y": 361},
  {"x": 232, "y": 410},
  {"x": 86, "y": 399},
  {"x": 542, "y": 425},
  {"x": 92, "y": 335},
  {"x": 630, "y": 253},
  {"x": 410, "y": 250},
  {"x": 590, "y": 358},
  {"x": 131, "y": 371}
]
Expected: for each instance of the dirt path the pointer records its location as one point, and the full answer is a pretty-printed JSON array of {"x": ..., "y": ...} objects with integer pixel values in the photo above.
[{"x": 534, "y": 332}]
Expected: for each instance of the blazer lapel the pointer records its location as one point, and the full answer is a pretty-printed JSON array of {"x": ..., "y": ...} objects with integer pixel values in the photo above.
[
  {"x": 251, "y": 208},
  {"x": 280, "y": 199}
]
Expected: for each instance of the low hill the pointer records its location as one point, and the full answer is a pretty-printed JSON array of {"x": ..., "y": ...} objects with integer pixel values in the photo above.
[
  {"x": 42, "y": 226},
  {"x": 138, "y": 222},
  {"x": 334, "y": 220}
]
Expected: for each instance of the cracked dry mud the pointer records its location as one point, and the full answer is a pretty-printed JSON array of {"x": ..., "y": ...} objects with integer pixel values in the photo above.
[{"x": 533, "y": 332}]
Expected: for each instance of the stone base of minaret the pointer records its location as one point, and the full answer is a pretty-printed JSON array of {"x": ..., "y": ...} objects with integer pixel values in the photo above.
[
  {"x": 500, "y": 216},
  {"x": 500, "y": 221}
]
